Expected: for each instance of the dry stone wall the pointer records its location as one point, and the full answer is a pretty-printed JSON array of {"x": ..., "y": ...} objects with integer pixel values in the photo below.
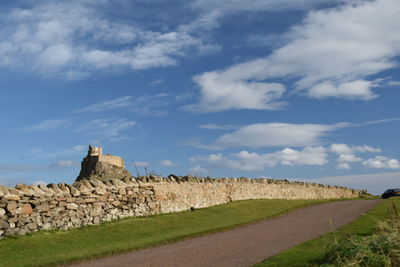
[
  {"x": 26, "y": 209},
  {"x": 200, "y": 192}
]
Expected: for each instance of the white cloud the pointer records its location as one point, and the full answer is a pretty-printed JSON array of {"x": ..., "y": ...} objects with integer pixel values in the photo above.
[
  {"x": 77, "y": 38},
  {"x": 167, "y": 162},
  {"x": 198, "y": 170},
  {"x": 57, "y": 55},
  {"x": 228, "y": 6},
  {"x": 146, "y": 105},
  {"x": 213, "y": 12},
  {"x": 221, "y": 91},
  {"x": 251, "y": 161},
  {"x": 346, "y": 153},
  {"x": 366, "y": 149},
  {"x": 340, "y": 46},
  {"x": 276, "y": 134},
  {"x": 394, "y": 83},
  {"x": 217, "y": 127},
  {"x": 348, "y": 158},
  {"x": 359, "y": 89},
  {"x": 197, "y": 143},
  {"x": 341, "y": 148},
  {"x": 343, "y": 166},
  {"x": 345, "y": 149},
  {"x": 183, "y": 96},
  {"x": 156, "y": 82},
  {"x": 381, "y": 162},
  {"x": 284, "y": 135},
  {"x": 152, "y": 105},
  {"x": 309, "y": 155},
  {"x": 108, "y": 105},
  {"x": 46, "y": 125},
  {"x": 107, "y": 128},
  {"x": 374, "y": 122},
  {"x": 163, "y": 49},
  {"x": 332, "y": 53}
]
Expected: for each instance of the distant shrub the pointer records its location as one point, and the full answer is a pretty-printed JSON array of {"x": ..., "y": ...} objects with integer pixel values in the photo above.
[{"x": 380, "y": 249}]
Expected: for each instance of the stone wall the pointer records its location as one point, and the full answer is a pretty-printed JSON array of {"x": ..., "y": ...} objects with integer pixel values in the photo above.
[
  {"x": 25, "y": 209},
  {"x": 200, "y": 193}
]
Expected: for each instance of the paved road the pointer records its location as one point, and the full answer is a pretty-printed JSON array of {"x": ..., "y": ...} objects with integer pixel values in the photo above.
[{"x": 247, "y": 245}]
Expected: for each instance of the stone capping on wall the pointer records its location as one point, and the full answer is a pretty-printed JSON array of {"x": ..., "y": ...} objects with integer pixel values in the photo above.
[{"x": 29, "y": 208}]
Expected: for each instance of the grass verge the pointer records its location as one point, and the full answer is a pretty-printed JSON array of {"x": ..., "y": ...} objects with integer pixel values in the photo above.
[
  {"x": 312, "y": 253},
  {"x": 379, "y": 249},
  {"x": 60, "y": 247}
]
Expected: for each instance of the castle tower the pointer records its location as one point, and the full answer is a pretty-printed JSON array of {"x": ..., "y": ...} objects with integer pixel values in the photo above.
[{"x": 95, "y": 151}]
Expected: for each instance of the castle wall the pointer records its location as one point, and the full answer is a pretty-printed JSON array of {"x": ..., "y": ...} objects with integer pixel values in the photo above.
[
  {"x": 113, "y": 160},
  {"x": 31, "y": 208}
]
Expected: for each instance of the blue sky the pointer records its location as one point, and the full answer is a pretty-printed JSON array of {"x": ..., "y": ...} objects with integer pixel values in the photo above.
[{"x": 285, "y": 89}]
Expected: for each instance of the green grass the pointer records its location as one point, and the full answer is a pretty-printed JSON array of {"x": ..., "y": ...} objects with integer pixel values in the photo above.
[
  {"x": 379, "y": 249},
  {"x": 311, "y": 253},
  {"x": 58, "y": 247}
]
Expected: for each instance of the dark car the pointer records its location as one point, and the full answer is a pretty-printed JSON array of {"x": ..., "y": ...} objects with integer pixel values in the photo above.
[{"x": 391, "y": 193}]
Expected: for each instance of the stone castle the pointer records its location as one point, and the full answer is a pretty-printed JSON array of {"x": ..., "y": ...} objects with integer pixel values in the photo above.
[
  {"x": 96, "y": 154},
  {"x": 105, "y": 191},
  {"x": 102, "y": 167}
]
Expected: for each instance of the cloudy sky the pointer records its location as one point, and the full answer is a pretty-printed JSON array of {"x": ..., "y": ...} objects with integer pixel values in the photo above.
[{"x": 266, "y": 88}]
